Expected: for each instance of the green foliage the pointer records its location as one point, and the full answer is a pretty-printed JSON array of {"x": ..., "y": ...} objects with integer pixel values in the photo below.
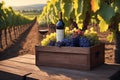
[
  {"x": 9, "y": 18},
  {"x": 111, "y": 37},
  {"x": 51, "y": 13},
  {"x": 95, "y": 5},
  {"x": 78, "y": 6},
  {"x": 117, "y": 5},
  {"x": 67, "y": 8},
  {"x": 106, "y": 13},
  {"x": 2, "y": 23},
  {"x": 103, "y": 25},
  {"x": 70, "y": 8},
  {"x": 56, "y": 6}
]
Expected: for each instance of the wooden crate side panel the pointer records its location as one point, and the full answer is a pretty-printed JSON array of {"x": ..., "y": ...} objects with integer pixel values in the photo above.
[
  {"x": 66, "y": 50},
  {"x": 97, "y": 55},
  {"x": 74, "y": 61},
  {"x": 71, "y": 57},
  {"x": 36, "y": 57}
]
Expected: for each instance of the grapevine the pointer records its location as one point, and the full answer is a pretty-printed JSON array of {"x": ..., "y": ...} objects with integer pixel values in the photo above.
[
  {"x": 10, "y": 19},
  {"x": 104, "y": 12}
]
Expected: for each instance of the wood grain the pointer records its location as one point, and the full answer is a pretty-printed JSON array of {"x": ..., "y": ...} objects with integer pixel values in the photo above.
[{"x": 70, "y": 57}]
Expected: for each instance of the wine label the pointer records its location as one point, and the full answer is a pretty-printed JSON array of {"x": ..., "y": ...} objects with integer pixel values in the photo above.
[{"x": 59, "y": 35}]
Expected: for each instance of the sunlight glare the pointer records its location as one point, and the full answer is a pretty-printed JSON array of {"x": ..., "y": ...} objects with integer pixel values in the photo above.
[{"x": 23, "y": 2}]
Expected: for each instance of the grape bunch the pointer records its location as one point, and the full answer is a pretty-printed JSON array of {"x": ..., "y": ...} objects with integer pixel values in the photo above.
[
  {"x": 52, "y": 43},
  {"x": 75, "y": 40},
  {"x": 64, "y": 42},
  {"x": 84, "y": 42},
  {"x": 60, "y": 44}
]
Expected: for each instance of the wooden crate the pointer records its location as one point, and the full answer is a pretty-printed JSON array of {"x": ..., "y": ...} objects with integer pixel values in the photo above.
[{"x": 70, "y": 57}]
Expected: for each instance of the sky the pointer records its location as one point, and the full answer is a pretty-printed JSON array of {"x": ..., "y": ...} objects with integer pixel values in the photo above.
[{"x": 23, "y": 2}]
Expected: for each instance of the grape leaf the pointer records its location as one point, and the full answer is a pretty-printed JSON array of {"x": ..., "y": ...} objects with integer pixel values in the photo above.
[
  {"x": 72, "y": 15},
  {"x": 2, "y": 22},
  {"x": 8, "y": 17},
  {"x": 106, "y": 11},
  {"x": 68, "y": 9},
  {"x": 110, "y": 37},
  {"x": 102, "y": 24},
  {"x": 95, "y": 5},
  {"x": 117, "y": 4},
  {"x": 48, "y": 7},
  {"x": 78, "y": 9},
  {"x": 56, "y": 6},
  {"x": 78, "y": 6},
  {"x": 85, "y": 7}
]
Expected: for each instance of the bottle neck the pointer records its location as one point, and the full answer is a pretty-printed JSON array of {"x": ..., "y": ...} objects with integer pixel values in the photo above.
[
  {"x": 60, "y": 24},
  {"x": 60, "y": 16}
]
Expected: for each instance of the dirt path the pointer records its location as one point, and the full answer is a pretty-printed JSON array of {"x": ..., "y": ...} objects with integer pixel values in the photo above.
[
  {"x": 24, "y": 44},
  {"x": 30, "y": 41}
]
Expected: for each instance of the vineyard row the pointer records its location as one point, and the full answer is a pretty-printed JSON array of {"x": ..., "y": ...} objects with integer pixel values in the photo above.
[
  {"x": 8, "y": 36},
  {"x": 12, "y": 23}
]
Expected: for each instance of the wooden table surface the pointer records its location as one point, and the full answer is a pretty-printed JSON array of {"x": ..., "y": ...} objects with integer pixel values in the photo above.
[{"x": 18, "y": 67}]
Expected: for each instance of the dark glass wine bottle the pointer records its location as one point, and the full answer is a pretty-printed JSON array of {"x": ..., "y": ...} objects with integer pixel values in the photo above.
[{"x": 60, "y": 28}]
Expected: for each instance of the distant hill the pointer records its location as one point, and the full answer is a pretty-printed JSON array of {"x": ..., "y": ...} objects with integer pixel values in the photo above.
[{"x": 29, "y": 7}]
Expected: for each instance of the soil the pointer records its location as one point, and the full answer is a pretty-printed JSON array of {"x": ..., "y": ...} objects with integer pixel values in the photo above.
[{"x": 25, "y": 44}]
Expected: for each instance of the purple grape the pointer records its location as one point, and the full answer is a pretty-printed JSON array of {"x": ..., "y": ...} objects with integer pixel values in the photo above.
[
  {"x": 75, "y": 41},
  {"x": 60, "y": 44},
  {"x": 52, "y": 43},
  {"x": 84, "y": 42},
  {"x": 66, "y": 42}
]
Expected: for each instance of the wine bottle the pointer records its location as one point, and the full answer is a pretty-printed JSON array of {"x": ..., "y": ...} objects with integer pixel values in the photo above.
[{"x": 60, "y": 28}]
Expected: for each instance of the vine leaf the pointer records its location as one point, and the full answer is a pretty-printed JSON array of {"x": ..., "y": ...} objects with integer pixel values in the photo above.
[
  {"x": 81, "y": 7},
  {"x": 56, "y": 5},
  {"x": 78, "y": 6},
  {"x": 110, "y": 37},
  {"x": 106, "y": 12},
  {"x": 95, "y": 5},
  {"x": 117, "y": 4},
  {"x": 68, "y": 11},
  {"x": 103, "y": 25},
  {"x": 67, "y": 8}
]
